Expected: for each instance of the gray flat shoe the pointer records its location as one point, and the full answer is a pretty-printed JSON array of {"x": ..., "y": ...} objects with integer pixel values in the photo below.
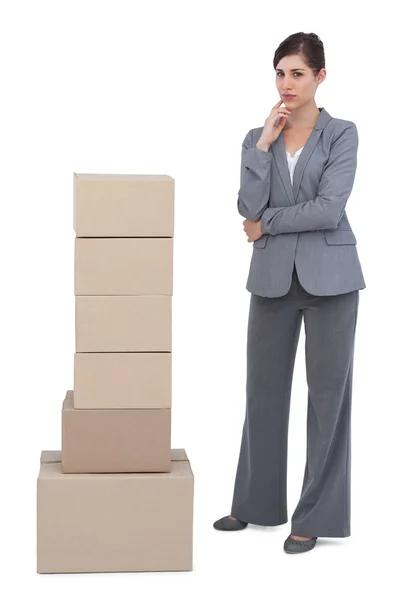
[
  {"x": 226, "y": 524},
  {"x": 292, "y": 546}
]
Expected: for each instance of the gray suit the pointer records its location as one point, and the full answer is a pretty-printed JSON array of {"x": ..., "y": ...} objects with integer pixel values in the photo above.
[
  {"x": 305, "y": 224},
  {"x": 305, "y": 266}
]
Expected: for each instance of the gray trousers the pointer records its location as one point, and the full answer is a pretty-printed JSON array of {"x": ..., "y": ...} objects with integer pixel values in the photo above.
[{"x": 260, "y": 490}]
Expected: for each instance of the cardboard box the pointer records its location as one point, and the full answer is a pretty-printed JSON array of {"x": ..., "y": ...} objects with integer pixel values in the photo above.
[
  {"x": 115, "y": 440},
  {"x": 118, "y": 266},
  {"x": 123, "y": 323},
  {"x": 113, "y": 523},
  {"x": 123, "y": 205},
  {"x": 122, "y": 380}
]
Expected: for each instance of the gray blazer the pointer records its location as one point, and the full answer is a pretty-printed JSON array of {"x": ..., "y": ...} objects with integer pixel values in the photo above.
[{"x": 305, "y": 224}]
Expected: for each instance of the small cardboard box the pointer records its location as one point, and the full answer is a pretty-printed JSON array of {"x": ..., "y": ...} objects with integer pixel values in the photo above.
[
  {"x": 123, "y": 323},
  {"x": 122, "y": 380},
  {"x": 123, "y": 266},
  {"x": 115, "y": 440},
  {"x": 111, "y": 205},
  {"x": 91, "y": 523}
]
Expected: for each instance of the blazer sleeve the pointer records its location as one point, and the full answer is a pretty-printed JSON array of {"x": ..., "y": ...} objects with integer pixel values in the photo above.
[
  {"x": 326, "y": 210},
  {"x": 255, "y": 180}
]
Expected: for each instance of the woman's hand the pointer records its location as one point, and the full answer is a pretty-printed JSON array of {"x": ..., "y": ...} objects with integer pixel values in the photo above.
[
  {"x": 252, "y": 229},
  {"x": 270, "y": 133}
]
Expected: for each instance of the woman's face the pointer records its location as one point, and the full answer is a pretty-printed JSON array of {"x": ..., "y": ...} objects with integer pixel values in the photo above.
[{"x": 294, "y": 77}]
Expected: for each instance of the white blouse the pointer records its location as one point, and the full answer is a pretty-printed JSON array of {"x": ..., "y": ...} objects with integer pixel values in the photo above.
[{"x": 292, "y": 160}]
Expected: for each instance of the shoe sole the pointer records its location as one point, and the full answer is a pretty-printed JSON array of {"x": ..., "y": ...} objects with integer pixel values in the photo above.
[
  {"x": 301, "y": 551},
  {"x": 233, "y": 528}
]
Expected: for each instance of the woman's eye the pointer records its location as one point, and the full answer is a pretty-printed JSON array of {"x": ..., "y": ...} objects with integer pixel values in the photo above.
[{"x": 296, "y": 73}]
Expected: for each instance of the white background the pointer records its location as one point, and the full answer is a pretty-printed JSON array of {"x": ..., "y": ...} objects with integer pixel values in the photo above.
[{"x": 172, "y": 88}]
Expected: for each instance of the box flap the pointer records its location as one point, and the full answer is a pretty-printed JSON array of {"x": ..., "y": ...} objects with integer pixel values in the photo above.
[
  {"x": 178, "y": 454},
  {"x": 121, "y": 176},
  {"x": 50, "y": 456},
  {"x": 54, "y": 456},
  {"x": 68, "y": 402}
]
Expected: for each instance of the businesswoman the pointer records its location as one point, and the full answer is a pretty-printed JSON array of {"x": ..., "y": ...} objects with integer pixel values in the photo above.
[{"x": 297, "y": 173}]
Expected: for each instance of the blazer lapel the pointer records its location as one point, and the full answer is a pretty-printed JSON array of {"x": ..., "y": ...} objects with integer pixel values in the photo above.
[{"x": 279, "y": 152}]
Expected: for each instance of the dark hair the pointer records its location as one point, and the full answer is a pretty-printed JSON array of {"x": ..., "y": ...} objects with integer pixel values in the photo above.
[{"x": 308, "y": 45}]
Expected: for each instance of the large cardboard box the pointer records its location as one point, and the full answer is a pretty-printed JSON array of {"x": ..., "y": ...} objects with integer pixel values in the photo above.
[
  {"x": 123, "y": 323},
  {"x": 108, "y": 523},
  {"x": 111, "y": 205},
  {"x": 115, "y": 440},
  {"x": 118, "y": 266},
  {"x": 122, "y": 380}
]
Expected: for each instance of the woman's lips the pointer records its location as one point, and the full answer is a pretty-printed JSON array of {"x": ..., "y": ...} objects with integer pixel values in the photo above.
[{"x": 289, "y": 97}]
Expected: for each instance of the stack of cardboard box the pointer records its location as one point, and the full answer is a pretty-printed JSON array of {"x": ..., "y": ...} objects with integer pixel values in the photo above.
[{"x": 117, "y": 498}]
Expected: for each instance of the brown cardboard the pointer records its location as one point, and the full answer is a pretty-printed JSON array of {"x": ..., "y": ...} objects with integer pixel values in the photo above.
[
  {"x": 118, "y": 266},
  {"x": 123, "y": 323},
  {"x": 111, "y": 205},
  {"x": 122, "y": 380},
  {"x": 113, "y": 523},
  {"x": 115, "y": 440}
]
